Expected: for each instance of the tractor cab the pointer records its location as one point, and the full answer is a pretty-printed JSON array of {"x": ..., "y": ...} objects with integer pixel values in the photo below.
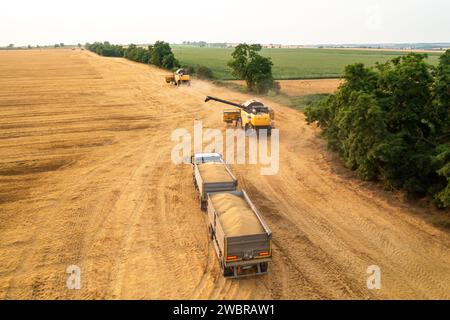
[
  {"x": 255, "y": 107},
  {"x": 180, "y": 72}
]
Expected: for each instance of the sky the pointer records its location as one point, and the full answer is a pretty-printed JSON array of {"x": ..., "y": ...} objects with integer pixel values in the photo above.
[{"x": 24, "y": 22}]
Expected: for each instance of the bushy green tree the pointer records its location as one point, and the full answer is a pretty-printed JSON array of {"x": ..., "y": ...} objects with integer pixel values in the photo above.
[
  {"x": 204, "y": 72},
  {"x": 442, "y": 163},
  {"x": 105, "y": 49},
  {"x": 189, "y": 69},
  {"x": 130, "y": 51},
  {"x": 392, "y": 123},
  {"x": 249, "y": 65},
  {"x": 138, "y": 54},
  {"x": 441, "y": 99},
  {"x": 162, "y": 56},
  {"x": 362, "y": 129},
  {"x": 441, "y": 88}
]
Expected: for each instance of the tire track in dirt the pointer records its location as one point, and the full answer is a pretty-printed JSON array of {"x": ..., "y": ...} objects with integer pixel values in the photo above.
[{"x": 129, "y": 217}]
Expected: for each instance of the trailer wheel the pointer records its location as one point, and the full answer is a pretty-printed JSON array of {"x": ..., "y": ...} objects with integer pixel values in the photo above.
[
  {"x": 210, "y": 232},
  {"x": 228, "y": 271},
  {"x": 203, "y": 205},
  {"x": 264, "y": 266}
]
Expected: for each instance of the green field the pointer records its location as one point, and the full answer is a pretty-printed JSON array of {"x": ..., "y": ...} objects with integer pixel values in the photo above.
[{"x": 290, "y": 63}]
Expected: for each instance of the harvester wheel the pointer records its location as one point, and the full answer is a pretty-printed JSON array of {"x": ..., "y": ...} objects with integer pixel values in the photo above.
[{"x": 203, "y": 205}]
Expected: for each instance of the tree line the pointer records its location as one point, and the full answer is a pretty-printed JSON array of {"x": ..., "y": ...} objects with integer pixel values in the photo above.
[
  {"x": 246, "y": 62},
  {"x": 159, "y": 54},
  {"x": 105, "y": 49},
  {"x": 11, "y": 46},
  {"x": 392, "y": 123}
]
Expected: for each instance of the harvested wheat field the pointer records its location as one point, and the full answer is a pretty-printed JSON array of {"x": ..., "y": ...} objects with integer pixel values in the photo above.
[
  {"x": 86, "y": 179},
  {"x": 304, "y": 87}
]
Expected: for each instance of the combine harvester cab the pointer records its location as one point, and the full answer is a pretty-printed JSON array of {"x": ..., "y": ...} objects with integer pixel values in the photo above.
[
  {"x": 249, "y": 115},
  {"x": 183, "y": 79},
  {"x": 178, "y": 78}
]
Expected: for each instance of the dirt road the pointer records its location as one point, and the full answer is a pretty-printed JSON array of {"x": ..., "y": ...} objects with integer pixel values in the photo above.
[{"x": 86, "y": 179}]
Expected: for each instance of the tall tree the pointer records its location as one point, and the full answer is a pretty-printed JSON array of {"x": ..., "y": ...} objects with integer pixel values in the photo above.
[
  {"x": 249, "y": 65},
  {"x": 162, "y": 55}
]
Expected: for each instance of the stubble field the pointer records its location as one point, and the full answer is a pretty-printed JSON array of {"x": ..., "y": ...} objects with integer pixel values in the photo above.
[{"x": 86, "y": 179}]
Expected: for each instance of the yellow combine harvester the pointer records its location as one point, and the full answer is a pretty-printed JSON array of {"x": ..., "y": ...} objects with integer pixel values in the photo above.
[
  {"x": 250, "y": 115},
  {"x": 178, "y": 78}
]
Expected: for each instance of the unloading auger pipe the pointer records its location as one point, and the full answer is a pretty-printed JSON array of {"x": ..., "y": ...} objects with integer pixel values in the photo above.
[{"x": 223, "y": 101}]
